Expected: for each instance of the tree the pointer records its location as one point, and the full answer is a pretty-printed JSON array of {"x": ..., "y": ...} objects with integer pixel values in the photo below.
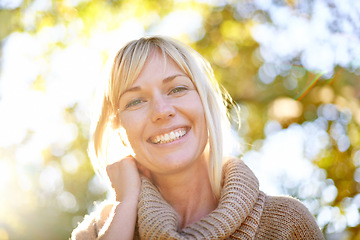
[{"x": 292, "y": 66}]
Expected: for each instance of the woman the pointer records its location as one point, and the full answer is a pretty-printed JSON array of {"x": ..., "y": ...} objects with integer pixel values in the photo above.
[{"x": 165, "y": 104}]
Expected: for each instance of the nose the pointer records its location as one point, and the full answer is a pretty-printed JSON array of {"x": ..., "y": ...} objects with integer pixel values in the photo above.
[{"x": 162, "y": 109}]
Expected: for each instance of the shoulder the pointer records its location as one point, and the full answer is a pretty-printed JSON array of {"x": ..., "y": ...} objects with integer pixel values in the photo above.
[
  {"x": 287, "y": 206},
  {"x": 92, "y": 223},
  {"x": 288, "y": 218}
]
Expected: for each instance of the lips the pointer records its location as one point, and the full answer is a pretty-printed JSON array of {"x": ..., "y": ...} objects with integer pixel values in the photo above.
[{"x": 169, "y": 136}]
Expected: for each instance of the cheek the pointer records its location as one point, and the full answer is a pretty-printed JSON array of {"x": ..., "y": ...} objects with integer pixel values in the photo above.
[
  {"x": 196, "y": 111},
  {"x": 132, "y": 123},
  {"x": 200, "y": 116},
  {"x": 204, "y": 130}
]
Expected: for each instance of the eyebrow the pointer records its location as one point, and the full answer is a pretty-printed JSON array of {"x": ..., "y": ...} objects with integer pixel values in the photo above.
[{"x": 165, "y": 80}]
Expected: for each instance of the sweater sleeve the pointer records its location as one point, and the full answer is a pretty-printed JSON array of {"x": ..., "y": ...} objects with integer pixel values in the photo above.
[
  {"x": 287, "y": 218},
  {"x": 91, "y": 225}
]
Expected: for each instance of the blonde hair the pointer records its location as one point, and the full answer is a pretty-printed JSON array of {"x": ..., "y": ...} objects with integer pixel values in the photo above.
[{"x": 127, "y": 66}]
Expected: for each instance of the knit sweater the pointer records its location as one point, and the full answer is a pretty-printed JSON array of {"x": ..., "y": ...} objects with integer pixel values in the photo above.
[{"x": 244, "y": 212}]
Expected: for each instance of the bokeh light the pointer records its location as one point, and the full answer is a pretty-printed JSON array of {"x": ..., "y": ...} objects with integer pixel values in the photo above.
[{"x": 293, "y": 67}]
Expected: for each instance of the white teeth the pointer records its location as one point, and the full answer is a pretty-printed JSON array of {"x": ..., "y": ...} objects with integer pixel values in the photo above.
[{"x": 168, "y": 137}]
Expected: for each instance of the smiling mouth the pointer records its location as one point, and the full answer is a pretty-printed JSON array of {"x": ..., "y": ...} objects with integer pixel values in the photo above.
[{"x": 169, "y": 137}]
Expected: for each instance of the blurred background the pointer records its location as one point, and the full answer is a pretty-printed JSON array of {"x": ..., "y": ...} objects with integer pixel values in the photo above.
[{"x": 293, "y": 67}]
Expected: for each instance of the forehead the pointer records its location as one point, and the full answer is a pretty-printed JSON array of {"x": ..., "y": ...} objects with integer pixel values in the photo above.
[{"x": 157, "y": 67}]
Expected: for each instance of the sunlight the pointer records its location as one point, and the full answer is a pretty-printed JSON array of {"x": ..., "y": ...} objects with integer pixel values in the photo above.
[
  {"x": 175, "y": 25},
  {"x": 3, "y": 234},
  {"x": 10, "y": 4},
  {"x": 67, "y": 202},
  {"x": 284, "y": 109},
  {"x": 70, "y": 163},
  {"x": 54, "y": 54},
  {"x": 109, "y": 42},
  {"x": 116, "y": 150},
  {"x": 5, "y": 173},
  {"x": 280, "y": 160},
  {"x": 51, "y": 180}
]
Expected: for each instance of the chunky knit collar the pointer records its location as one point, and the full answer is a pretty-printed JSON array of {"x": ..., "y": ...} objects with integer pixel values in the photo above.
[{"x": 237, "y": 215}]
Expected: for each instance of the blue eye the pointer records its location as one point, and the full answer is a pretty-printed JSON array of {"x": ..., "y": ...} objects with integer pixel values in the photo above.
[{"x": 133, "y": 103}]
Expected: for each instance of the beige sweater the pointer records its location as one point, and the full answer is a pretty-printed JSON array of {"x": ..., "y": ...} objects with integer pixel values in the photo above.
[{"x": 244, "y": 212}]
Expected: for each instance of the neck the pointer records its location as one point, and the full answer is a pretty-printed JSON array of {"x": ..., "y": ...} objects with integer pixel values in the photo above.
[{"x": 189, "y": 193}]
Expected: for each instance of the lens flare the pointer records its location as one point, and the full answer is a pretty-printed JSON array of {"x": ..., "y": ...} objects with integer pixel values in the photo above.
[{"x": 308, "y": 88}]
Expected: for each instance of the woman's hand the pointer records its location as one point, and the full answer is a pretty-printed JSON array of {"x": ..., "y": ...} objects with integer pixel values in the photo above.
[{"x": 125, "y": 179}]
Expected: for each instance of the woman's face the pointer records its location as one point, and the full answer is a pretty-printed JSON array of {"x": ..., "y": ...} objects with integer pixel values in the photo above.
[{"x": 164, "y": 118}]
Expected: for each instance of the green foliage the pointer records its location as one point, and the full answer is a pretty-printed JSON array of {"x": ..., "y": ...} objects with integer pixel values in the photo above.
[{"x": 37, "y": 210}]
